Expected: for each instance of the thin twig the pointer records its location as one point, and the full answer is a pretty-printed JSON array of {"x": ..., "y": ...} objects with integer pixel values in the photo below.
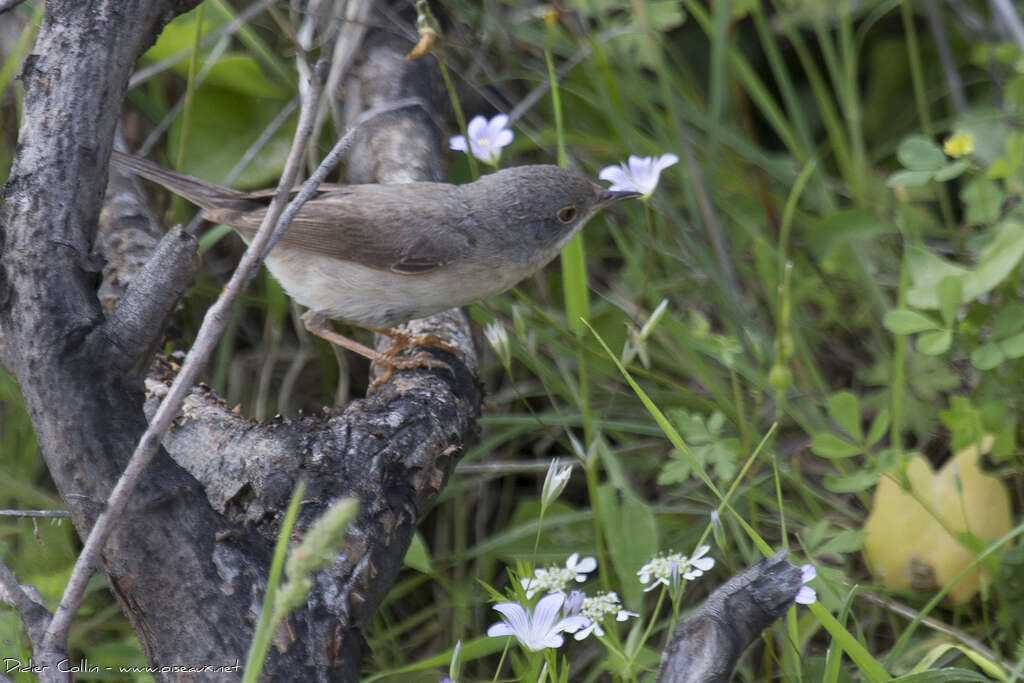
[
  {"x": 35, "y": 513},
  {"x": 214, "y": 323},
  {"x": 952, "y": 74}
]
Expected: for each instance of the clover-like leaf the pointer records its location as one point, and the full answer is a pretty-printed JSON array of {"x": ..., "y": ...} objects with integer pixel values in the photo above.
[
  {"x": 1013, "y": 347},
  {"x": 907, "y": 321},
  {"x": 918, "y": 153},
  {"x": 844, "y": 408},
  {"x": 879, "y": 426},
  {"x": 935, "y": 342},
  {"x": 828, "y": 445},
  {"x": 987, "y": 356}
]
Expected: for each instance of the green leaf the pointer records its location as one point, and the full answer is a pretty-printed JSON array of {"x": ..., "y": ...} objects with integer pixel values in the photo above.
[
  {"x": 859, "y": 480},
  {"x": 846, "y": 541},
  {"x": 964, "y": 421},
  {"x": 948, "y": 291},
  {"x": 224, "y": 125},
  {"x": 997, "y": 261},
  {"x": 241, "y": 73},
  {"x": 983, "y": 199},
  {"x": 952, "y": 170},
  {"x": 909, "y": 178},
  {"x": 926, "y": 270},
  {"x": 935, "y": 343},
  {"x": 1009, "y": 320},
  {"x": 1014, "y": 346},
  {"x": 828, "y": 445},
  {"x": 906, "y": 321},
  {"x": 844, "y": 408},
  {"x": 918, "y": 153},
  {"x": 986, "y": 356},
  {"x": 879, "y": 426}
]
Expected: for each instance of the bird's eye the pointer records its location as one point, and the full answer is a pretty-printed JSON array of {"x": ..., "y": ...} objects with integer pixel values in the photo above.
[{"x": 567, "y": 213}]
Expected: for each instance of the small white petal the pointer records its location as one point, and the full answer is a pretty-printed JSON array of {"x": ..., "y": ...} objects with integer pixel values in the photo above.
[
  {"x": 619, "y": 179},
  {"x": 584, "y": 566},
  {"x": 664, "y": 161},
  {"x": 704, "y": 563},
  {"x": 640, "y": 167},
  {"x": 806, "y": 595},
  {"x": 516, "y": 615},
  {"x": 807, "y": 572},
  {"x": 500, "y": 629},
  {"x": 503, "y": 139},
  {"x": 477, "y": 128},
  {"x": 496, "y": 125},
  {"x": 572, "y": 624},
  {"x": 547, "y": 609},
  {"x": 458, "y": 143}
]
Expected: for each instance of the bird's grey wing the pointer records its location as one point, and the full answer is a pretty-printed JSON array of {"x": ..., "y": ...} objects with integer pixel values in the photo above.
[{"x": 409, "y": 228}]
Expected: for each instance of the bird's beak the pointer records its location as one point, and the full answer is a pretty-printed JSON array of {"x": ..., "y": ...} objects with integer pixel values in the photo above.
[{"x": 608, "y": 197}]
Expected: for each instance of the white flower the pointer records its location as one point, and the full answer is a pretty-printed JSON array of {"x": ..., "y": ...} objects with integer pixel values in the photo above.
[
  {"x": 554, "y": 483},
  {"x": 539, "y": 629},
  {"x": 806, "y": 595},
  {"x": 486, "y": 138},
  {"x": 641, "y": 175},
  {"x": 599, "y": 607},
  {"x": 559, "y": 578},
  {"x": 666, "y": 569}
]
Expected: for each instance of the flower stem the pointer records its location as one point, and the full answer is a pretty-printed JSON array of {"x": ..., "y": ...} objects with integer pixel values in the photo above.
[{"x": 474, "y": 171}]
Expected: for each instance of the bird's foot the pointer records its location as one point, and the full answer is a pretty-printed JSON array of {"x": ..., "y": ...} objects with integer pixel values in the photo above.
[
  {"x": 318, "y": 324},
  {"x": 401, "y": 340}
]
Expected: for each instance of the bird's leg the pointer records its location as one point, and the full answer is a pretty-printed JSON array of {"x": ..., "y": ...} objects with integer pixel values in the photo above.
[{"x": 318, "y": 324}]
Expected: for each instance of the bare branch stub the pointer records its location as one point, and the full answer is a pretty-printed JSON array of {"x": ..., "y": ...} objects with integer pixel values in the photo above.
[{"x": 707, "y": 644}]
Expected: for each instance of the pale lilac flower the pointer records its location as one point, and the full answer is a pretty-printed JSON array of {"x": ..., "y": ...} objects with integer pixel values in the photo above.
[
  {"x": 599, "y": 607},
  {"x": 540, "y": 629},
  {"x": 641, "y": 175},
  {"x": 661, "y": 570},
  {"x": 555, "y": 578},
  {"x": 807, "y": 595},
  {"x": 574, "y": 602},
  {"x": 486, "y": 138}
]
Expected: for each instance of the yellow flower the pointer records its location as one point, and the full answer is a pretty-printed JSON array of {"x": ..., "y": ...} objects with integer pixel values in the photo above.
[{"x": 959, "y": 144}]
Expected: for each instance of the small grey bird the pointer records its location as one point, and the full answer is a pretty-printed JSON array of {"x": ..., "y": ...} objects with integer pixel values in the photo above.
[{"x": 379, "y": 255}]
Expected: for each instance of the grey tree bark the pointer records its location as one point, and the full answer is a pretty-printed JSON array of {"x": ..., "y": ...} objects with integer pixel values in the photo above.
[{"x": 188, "y": 563}]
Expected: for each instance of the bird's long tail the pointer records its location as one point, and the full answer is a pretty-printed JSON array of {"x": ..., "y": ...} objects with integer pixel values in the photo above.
[{"x": 201, "y": 193}]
